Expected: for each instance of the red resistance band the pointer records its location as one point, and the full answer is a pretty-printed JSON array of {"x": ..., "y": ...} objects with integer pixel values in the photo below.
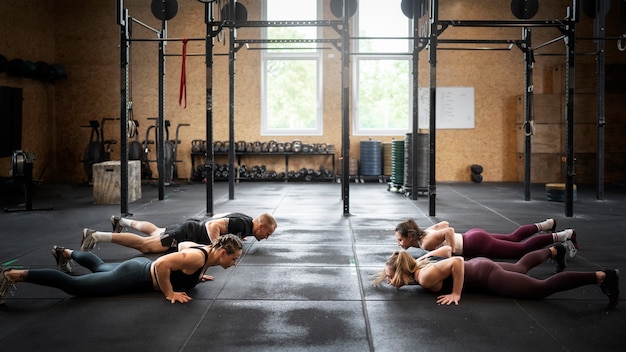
[{"x": 183, "y": 77}]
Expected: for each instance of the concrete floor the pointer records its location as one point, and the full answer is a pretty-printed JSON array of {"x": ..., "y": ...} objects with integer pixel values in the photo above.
[{"x": 308, "y": 288}]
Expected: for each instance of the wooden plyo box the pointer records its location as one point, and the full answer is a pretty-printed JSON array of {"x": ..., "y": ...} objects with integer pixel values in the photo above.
[{"x": 107, "y": 182}]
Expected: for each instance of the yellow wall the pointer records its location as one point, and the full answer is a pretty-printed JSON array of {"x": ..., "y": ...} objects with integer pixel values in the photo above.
[{"x": 83, "y": 36}]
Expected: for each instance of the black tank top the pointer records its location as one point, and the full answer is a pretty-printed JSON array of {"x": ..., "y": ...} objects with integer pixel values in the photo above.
[
  {"x": 239, "y": 225},
  {"x": 182, "y": 281}
]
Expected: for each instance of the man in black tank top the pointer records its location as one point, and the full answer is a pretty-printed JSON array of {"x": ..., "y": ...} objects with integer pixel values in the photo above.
[{"x": 164, "y": 239}]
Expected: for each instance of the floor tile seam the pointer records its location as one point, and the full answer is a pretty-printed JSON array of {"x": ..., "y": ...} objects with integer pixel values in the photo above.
[{"x": 367, "y": 322}]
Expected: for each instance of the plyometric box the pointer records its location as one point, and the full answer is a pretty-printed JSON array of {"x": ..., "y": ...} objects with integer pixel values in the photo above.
[{"x": 107, "y": 182}]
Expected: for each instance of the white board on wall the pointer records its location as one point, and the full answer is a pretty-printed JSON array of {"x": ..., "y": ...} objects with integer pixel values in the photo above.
[{"x": 455, "y": 108}]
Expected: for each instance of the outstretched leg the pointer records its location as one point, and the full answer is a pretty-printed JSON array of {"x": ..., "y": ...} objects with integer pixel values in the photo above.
[
  {"x": 150, "y": 244},
  {"x": 477, "y": 243},
  {"x": 145, "y": 227}
]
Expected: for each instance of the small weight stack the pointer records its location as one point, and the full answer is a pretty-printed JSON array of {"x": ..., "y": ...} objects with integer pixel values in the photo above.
[
  {"x": 397, "y": 162},
  {"x": 371, "y": 158},
  {"x": 423, "y": 166},
  {"x": 387, "y": 160}
]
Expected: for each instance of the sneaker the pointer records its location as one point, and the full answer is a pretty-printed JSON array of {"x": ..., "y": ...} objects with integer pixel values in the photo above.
[
  {"x": 115, "y": 221},
  {"x": 5, "y": 285},
  {"x": 573, "y": 239},
  {"x": 572, "y": 250},
  {"x": 62, "y": 263},
  {"x": 560, "y": 261},
  {"x": 610, "y": 287},
  {"x": 88, "y": 241},
  {"x": 553, "y": 229}
]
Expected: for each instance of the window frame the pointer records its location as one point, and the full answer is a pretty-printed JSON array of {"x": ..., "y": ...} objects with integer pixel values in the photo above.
[
  {"x": 315, "y": 55},
  {"x": 370, "y": 56}
]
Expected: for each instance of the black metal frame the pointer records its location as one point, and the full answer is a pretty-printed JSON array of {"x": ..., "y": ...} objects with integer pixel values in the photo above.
[{"x": 437, "y": 26}]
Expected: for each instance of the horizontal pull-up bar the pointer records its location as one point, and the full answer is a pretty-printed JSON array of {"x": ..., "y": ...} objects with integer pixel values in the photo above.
[
  {"x": 528, "y": 23},
  {"x": 198, "y": 54},
  {"x": 287, "y": 48},
  {"x": 165, "y": 39},
  {"x": 480, "y": 41},
  {"x": 318, "y": 23},
  {"x": 286, "y": 41},
  {"x": 508, "y": 48}
]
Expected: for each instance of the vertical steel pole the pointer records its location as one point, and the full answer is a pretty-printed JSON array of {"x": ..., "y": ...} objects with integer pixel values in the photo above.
[
  {"x": 432, "y": 184},
  {"x": 415, "y": 74},
  {"x": 570, "y": 89},
  {"x": 232, "y": 56},
  {"x": 528, "y": 118},
  {"x": 160, "y": 141},
  {"x": 209, "y": 158},
  {"x": 122, "y": 15},
  {"x": 345, "y": 110},
  {"x": 600, "y": 95}
]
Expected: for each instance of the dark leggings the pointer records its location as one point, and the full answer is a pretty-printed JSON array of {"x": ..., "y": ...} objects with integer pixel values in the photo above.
[
  {"x": 480, "y": 243},
  {"x": 510, "y": 280},
  {"x": 105, "y": 279}
]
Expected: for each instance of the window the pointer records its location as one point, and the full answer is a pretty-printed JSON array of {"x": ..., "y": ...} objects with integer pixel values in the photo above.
[
  {"x": 382, "y": 69},
  {"x": 291, "y": 102}
]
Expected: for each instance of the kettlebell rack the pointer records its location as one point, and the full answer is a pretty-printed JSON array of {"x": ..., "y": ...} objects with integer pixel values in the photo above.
[{"x": 261, "y": 151}]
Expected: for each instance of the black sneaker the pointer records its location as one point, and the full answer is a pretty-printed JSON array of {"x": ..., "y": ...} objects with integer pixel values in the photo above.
[
  {"x": 610, "y": 287},
  {"x": 115, "y": 222},
  {"x": 5, "y": 285},
  {"x": 62, "y": 263},
  {"x": 560, "y": 261}
]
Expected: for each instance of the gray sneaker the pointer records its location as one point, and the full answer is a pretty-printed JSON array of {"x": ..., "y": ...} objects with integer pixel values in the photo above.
[
  {"x": 88, "y": 241},
  {"x": 62, "y": 263},
  {"x": 5, "y": 285},
  {"x": 115, "y": 222}
]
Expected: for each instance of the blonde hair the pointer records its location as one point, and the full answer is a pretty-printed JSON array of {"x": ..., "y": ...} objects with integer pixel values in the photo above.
[
  {"x": 404, "y": 267},
  {"x": 268, "y": 219},
  {"x": 229, "y": 243}
]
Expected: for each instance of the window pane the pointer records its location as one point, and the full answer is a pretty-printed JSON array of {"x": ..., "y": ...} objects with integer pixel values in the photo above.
[
  {"x": 383, "y": 94},
  {"x": 289, "y": 10},
  {"x": 291, "y": 94},
  {"x": 383, "y": 19}
]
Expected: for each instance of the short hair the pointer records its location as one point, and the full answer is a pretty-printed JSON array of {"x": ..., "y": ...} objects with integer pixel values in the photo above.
[{"x": 268, "y": 219}]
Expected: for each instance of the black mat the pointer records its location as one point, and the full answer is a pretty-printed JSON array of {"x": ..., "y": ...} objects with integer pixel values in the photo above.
[{"x": 308, "y": 288}]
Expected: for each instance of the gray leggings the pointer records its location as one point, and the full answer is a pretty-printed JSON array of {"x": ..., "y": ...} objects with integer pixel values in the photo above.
[{"x": 105, "y": 279}]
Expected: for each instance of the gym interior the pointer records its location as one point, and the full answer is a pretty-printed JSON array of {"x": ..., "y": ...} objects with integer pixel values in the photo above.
[{"x": 160, "y": 110}]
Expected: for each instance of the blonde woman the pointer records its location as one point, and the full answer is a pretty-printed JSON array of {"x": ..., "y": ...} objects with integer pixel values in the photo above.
[{"x": 451, "y": 275}]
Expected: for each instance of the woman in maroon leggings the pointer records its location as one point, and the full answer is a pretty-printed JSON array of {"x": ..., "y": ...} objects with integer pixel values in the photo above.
[
  {"x": 448, "y": 277},
  {"x": 480, "y": 243}
]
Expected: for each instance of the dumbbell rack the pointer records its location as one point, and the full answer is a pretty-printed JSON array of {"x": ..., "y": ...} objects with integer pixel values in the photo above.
[{"x": 286, "y": 155}]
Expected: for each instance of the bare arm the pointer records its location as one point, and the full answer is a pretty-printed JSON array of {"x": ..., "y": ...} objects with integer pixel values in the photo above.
[
  {"x": 185, "y": 261},
  {"x": 215, "y": 229},
  {"x": 432, "y": 277},
  {"x": 443, "y": 251},
  {"x": 436, "y": 238}
]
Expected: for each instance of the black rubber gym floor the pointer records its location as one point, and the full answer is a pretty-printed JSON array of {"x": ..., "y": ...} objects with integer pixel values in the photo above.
[{"x": 308, "y": 288}]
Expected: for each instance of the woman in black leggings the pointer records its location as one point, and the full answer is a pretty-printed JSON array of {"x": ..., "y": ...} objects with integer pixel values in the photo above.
[
  {"x": 451, "y": 275},
  {"x": 168, "y": 274}
]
